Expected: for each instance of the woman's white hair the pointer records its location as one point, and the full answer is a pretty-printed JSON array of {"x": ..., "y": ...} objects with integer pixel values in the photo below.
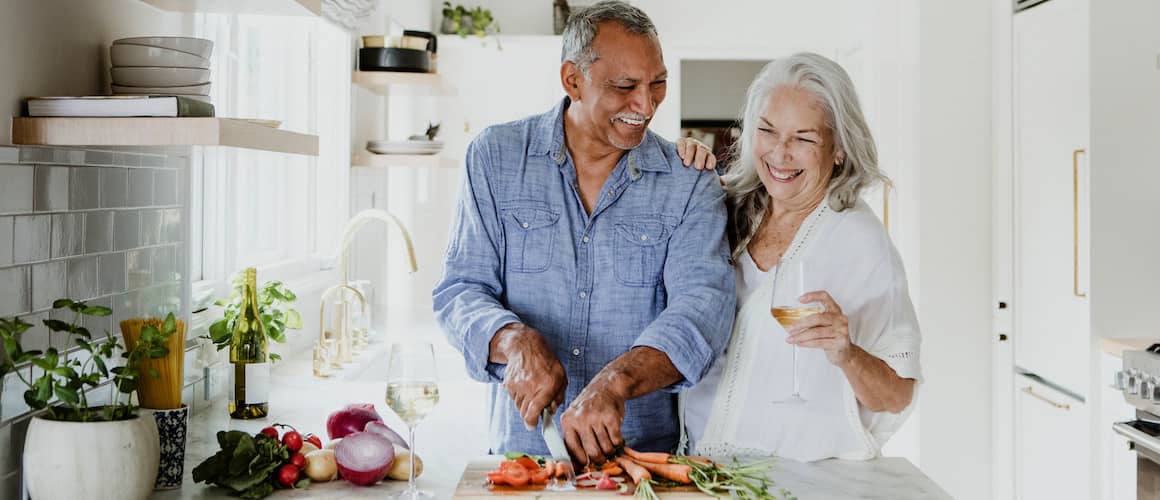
[{"x": 853, "y": 144}]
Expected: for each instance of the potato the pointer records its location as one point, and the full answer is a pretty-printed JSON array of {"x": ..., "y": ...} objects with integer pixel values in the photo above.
[
  {"x": 401, "y": 470},
  {"x": 321, "y": 466}
]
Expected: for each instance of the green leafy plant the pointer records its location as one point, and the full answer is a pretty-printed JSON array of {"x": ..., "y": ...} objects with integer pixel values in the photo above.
[
  {"x": 68, "y": 377},
  {"x": 244, "y": 464},
  {"x": 463, "y": 21},
  {"x": 272, "y": 298}
]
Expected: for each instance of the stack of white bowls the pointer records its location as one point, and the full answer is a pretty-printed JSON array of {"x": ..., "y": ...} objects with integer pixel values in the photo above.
[{"x": 161, "y": 65}]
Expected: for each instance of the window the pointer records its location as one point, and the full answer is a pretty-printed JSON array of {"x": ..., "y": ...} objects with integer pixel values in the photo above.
[{"x": 278, "y": 212}]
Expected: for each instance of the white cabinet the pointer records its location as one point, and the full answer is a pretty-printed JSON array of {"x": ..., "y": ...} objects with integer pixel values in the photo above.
[
  {"x": 1051, "y": 444},
  {"x": 1051, "y": 124}
]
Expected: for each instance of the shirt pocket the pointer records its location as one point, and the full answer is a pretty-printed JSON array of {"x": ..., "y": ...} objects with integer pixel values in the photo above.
[
  {"x": 641, "y": 247},
  {"x": 531, "y": 237}
]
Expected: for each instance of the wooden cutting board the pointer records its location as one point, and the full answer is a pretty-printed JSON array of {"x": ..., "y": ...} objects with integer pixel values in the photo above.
[{"x": 473, "y": 484}]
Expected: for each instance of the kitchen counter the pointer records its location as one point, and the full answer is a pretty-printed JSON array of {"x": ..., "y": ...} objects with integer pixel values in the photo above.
[{"x": 455, "y": 433}]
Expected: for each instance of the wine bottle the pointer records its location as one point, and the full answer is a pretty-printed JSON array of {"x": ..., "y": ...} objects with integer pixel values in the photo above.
[{"x": 248, "y": 354}]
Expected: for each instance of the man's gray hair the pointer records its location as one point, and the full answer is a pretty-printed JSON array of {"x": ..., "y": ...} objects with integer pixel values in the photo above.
[
  {"x": 581, "y": 30},
  {"x": 853, "y": 144}
]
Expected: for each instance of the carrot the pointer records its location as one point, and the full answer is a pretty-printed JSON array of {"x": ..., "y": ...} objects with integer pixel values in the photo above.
[
  {"x": 496, "y": 477},
  {"x": 615, "y": 470},
  {"x": 561, "y": 470},
  {"x": 700, "y": 460},
  {"x": 672, "y": 472},
  {"x": 635, "y": 471},
  {"x": 528, "y": 463},
  {"x": 655, "y": 457}
]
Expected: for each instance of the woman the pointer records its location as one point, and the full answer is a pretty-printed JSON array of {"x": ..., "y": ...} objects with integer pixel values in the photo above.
[{"x": 804, "y": 157}]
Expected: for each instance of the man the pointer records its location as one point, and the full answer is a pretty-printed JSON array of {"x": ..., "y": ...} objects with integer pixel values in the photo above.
[{"x": 587, "y": 269}]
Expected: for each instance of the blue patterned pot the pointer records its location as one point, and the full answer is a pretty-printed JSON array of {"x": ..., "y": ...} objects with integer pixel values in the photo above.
[{"x": 171, "y": 431}]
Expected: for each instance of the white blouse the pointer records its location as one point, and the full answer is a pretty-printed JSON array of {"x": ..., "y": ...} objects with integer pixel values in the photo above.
[{"x": 732, "y": 411}]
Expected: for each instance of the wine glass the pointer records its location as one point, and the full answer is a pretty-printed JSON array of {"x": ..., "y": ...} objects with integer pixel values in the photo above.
[
  {"x": 789, "y": 283},
  {"x": 412, "y": 393}
]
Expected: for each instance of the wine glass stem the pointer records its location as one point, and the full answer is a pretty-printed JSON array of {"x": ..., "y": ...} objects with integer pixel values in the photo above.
[
  {"x": 796, "y": 388},
  {"x": 411, "y": 490}
]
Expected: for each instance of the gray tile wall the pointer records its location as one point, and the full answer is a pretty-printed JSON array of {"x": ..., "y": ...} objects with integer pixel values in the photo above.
[{"x": 105, "y": 227}]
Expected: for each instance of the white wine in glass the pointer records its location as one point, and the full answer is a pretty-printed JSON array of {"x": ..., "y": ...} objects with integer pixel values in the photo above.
[
  {"x": 789, "y": 284},
  {"x": 412, "y": 392}
]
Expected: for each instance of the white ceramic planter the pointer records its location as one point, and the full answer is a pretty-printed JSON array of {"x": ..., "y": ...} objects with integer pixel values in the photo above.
[{"x": 91, "y": 460}]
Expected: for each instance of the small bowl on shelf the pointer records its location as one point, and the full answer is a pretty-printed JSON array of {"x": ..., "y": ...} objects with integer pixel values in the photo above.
[
  {"x": 199, "y": 47},
  {"x": 155, "y": 76},
  {"x": 143, "y": 55}
]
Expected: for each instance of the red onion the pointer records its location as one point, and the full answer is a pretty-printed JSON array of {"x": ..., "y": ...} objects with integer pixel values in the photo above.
[
  {"x": 364, "y": 458},
  {"x": 384, "y": 431},
  {"x": 351, "y": 419}
]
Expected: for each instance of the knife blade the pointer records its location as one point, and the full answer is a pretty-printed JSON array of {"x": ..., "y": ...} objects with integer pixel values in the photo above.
[{"x": 558, "y": 449}]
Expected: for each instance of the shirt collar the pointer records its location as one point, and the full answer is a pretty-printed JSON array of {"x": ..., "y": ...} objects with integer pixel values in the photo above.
[{"x": 648, "y": 156}]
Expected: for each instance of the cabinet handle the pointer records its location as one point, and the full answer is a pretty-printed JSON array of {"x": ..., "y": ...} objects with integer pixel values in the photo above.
[
  {"x": 886, "y": 207},
  {"x": 1075, "y": 221},
  {"x": 1061, "y": 406}
]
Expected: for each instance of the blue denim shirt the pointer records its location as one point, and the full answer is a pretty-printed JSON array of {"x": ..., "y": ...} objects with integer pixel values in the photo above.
[{"x": 649, "y": 267}]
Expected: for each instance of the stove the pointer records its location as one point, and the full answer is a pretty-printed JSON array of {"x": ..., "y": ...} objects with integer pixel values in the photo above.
[{"x": 1139, "y": 380}]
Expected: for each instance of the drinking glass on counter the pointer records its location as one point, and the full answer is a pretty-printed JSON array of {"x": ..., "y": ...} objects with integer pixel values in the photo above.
[
  {"x": 412, "y": 392},
  {"x": 790, "y": 281}
]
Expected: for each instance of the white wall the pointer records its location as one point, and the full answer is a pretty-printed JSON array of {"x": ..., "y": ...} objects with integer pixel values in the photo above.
[
  {"x": 1125, "y": 145},
  {"x": 60, "y": 47},
  {"x": 955, "y": 241},
  {"x": 715, "y": 90}
]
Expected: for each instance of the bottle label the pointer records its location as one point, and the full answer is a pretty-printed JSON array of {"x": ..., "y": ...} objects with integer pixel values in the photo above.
[{"x": 254, "y": 384}]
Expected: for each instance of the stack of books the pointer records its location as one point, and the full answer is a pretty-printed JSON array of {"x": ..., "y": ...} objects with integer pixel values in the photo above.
[{"x": 118, "y": 106}]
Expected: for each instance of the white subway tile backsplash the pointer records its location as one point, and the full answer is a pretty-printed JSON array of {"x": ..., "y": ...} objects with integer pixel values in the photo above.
[
  {"x": 51, "y": 189},
  {"x": 84, "y": 188},
  {"x": 165, "y": 187},
  {"x": 9, "y": 154},
  {"x": 99, "y": 158},
  {"x": 36, "y": 155},
  {"x": 6, "y": 231},
  {"x": 37, "y": 337},
  {"x": 111, "y": 273},
  {"x": 68, "y": 235},
  {"x": 48, "y": 283},
  {"x": 16, "y": 190},
  {"x": 126, "y": 230},
  {"x": 31, "y": 238},
  {"x": 99, "y": 326},
  {"x": 140, "y": 187},
  {"x": 164, "y": 264},
  {"x": 82, "y": 278},
  {"x": 138, "y": 268},
  {"x": 114, "y": 187},
  {"x": 150, "y": 227},
  {"x": 16, "y": 293},
  {"x": 98, "y": 232},
  {"x": 148, "y": 160},
  {"x": 171, "y": 227}
]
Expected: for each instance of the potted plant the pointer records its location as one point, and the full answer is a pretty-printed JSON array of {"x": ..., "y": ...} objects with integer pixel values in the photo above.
[
  {"x": 460, "y": 20},
  {"x": 117, "y": 449},
  {"x": 273, "y": 297}
]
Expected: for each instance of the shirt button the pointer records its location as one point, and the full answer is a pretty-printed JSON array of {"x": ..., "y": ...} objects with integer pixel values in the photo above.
[
  {"x": 644, "y": 237},
  {"x": 575, "y": 352},
  {"x": 584, "y": 239},
  {"x": 524, "y": 225},
  {"x": 583, "y": 294}
]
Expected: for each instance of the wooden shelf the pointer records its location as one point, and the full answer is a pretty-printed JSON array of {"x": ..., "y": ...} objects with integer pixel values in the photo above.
[
  {"x": 379, "y": 81},
  {"x": 366, "y": 159},
  {"x": 160, "y": 132},
  {"x": 267, "y": 7}
]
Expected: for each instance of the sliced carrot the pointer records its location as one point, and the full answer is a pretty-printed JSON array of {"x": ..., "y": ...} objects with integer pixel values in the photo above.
[
  {"x": 654, "y": 457},
  {"x": 672, "y": 472},
  {"x": 561, "y": 470},
  {"x": 496, "y": 477},
  {"x": 540, "y": 476},
  {"x": 615, "y": 470},
  {"x": 528, "y": 463},
  {"x": 634, "y": 470},
  {"x": 516, "y": 476}
]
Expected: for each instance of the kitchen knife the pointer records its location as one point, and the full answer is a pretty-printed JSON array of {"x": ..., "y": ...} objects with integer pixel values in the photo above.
[{"x": 558, "y": 450}]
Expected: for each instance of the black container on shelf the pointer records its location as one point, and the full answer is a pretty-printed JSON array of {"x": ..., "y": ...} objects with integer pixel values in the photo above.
[{"x": 394, "y": 59}]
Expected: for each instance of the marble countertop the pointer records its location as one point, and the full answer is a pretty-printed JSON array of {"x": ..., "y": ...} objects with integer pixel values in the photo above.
[{"x": 455, "y": 433}]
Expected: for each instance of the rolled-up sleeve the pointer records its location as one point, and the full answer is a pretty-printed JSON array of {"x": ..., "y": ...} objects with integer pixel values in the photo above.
[
  {"x": 698, "y": 279},
  {"x": 467, "y": 299}
]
